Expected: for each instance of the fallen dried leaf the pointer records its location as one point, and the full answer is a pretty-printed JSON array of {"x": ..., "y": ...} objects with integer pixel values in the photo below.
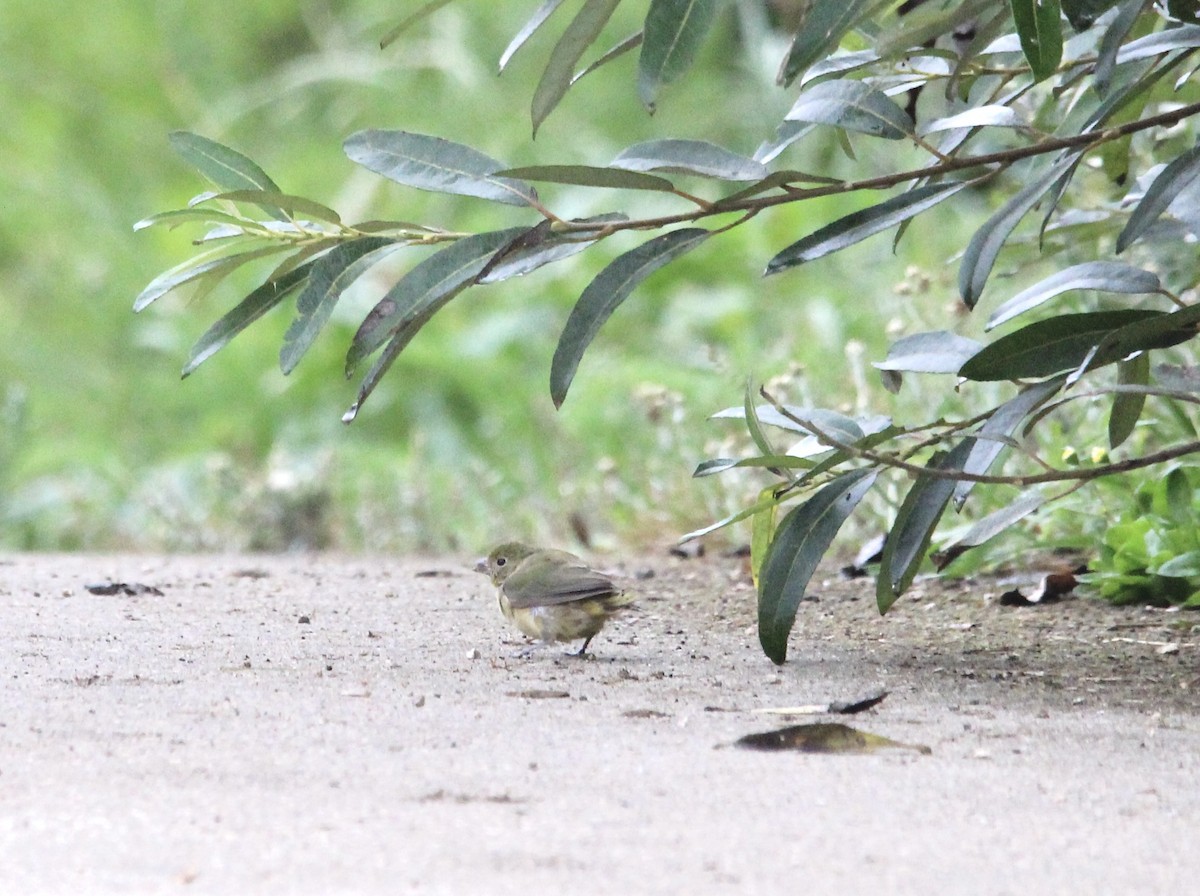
[{"x": 823, "y": 737}]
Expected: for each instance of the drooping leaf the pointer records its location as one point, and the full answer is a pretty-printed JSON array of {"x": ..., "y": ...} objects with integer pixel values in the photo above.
[
  {"x": 689, "y": 157},
  {"x": 1049, "y": 346},
  {"x": 989, "y": 527},
  {"x": 518, "y": 261},
  {"x": 590, "y": 176},
  {"x": 762, "y": 527},
  {"x": 431, "y": 163},
  {"x": 998, "y": 428},
  {"x": 225, "y": 167},
  {"x": 327, "y": 280},
  {"x": 605, "y": 293},
  {"x": 1108, "y": 276},
  {"x": 800, "y": 542},
  {"x": 979, "y": 117},
  {"x": 560, "y": 69},
  {"x": 1110, "y": 43},
  {"x": 673, "y": 32},
  {"x": 824, "y": 24},
  {"x": 535, "y": 22},
  {"x": 1127, "y": 406},
  {"x": 854, "y": 106},
  {"x": 421, "y": 12},
  {"x": 857, "y": 226},
  {"x": 246, "y": 312},
  {"x": 1174, "y": 178},
  {"x": 426, "y": 288},
  {"x": 1039, "y": 27},
  {"x": 211, "y": 266},
  {"x": 937, "y": 352},
  {"x": 911, "y": 533},
  {"x": 988, "y": 240}
]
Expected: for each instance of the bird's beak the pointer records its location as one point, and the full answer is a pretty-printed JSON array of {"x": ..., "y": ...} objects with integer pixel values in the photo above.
[{"x": 481, "y": 565}]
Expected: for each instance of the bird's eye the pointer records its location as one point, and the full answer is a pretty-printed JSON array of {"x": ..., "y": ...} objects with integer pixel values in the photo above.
[{"x": 501, "y": 561}]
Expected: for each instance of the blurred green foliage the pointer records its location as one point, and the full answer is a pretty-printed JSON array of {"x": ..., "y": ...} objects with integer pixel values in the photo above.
[{"x": 103, "y": 447}]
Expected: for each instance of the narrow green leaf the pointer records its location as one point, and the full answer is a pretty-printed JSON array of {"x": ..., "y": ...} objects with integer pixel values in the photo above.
[
  {"x": 431, "y": 163},
  {"x": 853, "y": 106},
  {"x": 410, "y": 20},
  {"x": 520, "y": 260},
  {"x": 673, "y": 32},
  {"x": 183, "y": 215},
  {"x": 744, "y": 514},
  {"x": 753, "y": 426},
  {"x": 989, "y": 527},
  {"x": 989, "y": 239},
  {"x": 1127, "y": 406},
  {"x": 786, "y": 134},
  {"x": 329, "y": 278},
  {"x": 576, "y": 38},
  {"x": 246, "y": 312},
  {"x": 415, "y": 297},
  {"x": 689, "y": 157},
  {"x": 1184, "y": 37},
  {"x": 1177, "y": 175},
  {"x": 294, "y": 204},
  {"x": 618, "y": 50},
  {"x": 1049, "y": 346},
  {"x": 1109, "y": 276},
  {"x": 838, "y": 64},
  {"x": 937, "y": 352},
  {"x": 535, "y": 22},
  {"x": 824, "y": 24},
  {"x": 802, "y": 539},
  {"x": 918, "y": 516},
  {"x": 998, "y": 428},
  {"x": 1110, "y": 43},
  {"x": 979, "y": 117},
  {"x": 589, "y": 176},
  {"x": 215, "y": 264},
  {"x": 605, "y": 293},
  {"x": 857, "y": 226},
  {"x": 769, "y": 461},
  {"x": 762, "y": 527},
  {"x": 1155, "y": 330},
  {"x": 225, "y": 167},
  {"x": 1040, "y": 29}
]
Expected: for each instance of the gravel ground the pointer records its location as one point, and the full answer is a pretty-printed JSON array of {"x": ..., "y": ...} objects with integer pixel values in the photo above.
[{"x": 329, "y": 725}]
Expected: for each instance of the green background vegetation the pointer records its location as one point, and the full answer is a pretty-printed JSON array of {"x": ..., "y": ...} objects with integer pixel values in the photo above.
[{"x": 103, "y": 447}]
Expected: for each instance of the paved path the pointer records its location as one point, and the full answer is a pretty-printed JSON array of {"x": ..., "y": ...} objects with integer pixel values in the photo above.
[{"x": 333, "y": 725}]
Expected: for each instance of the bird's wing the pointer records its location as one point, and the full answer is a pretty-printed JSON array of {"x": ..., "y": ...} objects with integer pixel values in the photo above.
[{"x": 549, "y": 578}]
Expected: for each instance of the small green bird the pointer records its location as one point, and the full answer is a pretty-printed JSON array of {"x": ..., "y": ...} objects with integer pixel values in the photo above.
[{"x": 551, "y": 595}]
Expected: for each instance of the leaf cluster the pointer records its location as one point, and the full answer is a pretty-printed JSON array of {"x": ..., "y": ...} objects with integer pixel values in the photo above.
[{"x": 1046, "y": 111}]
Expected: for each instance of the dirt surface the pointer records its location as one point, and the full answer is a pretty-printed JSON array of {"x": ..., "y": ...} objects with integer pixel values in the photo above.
[{"x": 345, "y": 725}]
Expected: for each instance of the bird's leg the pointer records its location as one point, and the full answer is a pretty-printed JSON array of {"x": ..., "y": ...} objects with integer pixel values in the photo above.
[{"x": 583, "y": 650}]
